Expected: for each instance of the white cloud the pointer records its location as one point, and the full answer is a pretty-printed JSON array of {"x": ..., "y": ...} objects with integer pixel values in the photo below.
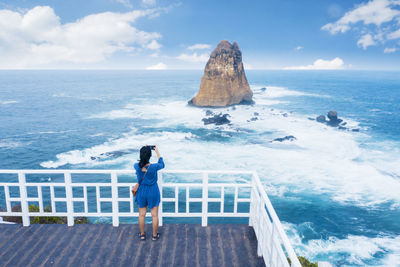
[
  {"x": 373, "y": 12},
  {"x": 126, "y": 3},
  {"x": 193, "y": 57},
  {"x": 389, "y": 50},
  {"x": 321, "y": 64},
  {"x": 159, "y": 66},
  {"x": 149, "y": 2},
  {"x": 365, "y": 41},
  {"x": 153, "y": 45},
  {"x": 377, "y": 20},
  {"x": 394, "y": 35},
  {"x": 299, "y": 48},
  {"x": 37, "y": 37},
  {"x": 154, "y": 55},
  {"x": 199, "y": 47}
]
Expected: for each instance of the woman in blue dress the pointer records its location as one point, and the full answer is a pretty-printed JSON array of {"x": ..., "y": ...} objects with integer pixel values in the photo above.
[{"x": 148, "y": 193}]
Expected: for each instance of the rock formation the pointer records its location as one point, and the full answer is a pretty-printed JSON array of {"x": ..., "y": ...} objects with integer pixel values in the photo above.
[
  {"x": 333, "y": 118},
  {"x": 217, "y": 119},
  {"x": 321, "y": 118},
  {"x": 224, "y": 81},
  {"x": 286, "y": 138},
  {"x": 333, "y": 121}
]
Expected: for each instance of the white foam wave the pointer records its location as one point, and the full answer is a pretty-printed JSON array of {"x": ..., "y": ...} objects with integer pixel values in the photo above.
[
  {"x": 322, "y": 159},
  {"x": 362, "y": 249},
  {"x": 10, "y": 144},
  {"x": 8, "y": 102},
  {"x": 66, "y": 95},
  {"x": 97, "y": 135},
  {"x": 128, "y": 141},
  {"x": 278, "y": 92},
  {"x": 171, "y": 113},
  {"x": 54, "y": 132}
]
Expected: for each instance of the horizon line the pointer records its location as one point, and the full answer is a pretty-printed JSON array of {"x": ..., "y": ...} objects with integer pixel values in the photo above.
[{"x": 126, "y": 69}]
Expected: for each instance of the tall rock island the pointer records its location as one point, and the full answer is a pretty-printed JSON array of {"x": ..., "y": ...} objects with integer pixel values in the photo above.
[{"x": 224, "y": 81}]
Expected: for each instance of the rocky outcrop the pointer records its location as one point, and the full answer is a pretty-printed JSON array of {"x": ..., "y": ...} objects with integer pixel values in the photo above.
[
  {"x": 286, "y": 138},
  {"x": 224, "y": 81},
  {"x": 321, "y": 118},
  {"x": 333, "y": 118},
  {"x": 217, "y": 119},
  {"x": 334, "y": 121}
]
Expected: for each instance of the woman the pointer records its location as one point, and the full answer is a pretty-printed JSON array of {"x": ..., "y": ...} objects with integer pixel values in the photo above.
[{"x": 148, "y": 194}]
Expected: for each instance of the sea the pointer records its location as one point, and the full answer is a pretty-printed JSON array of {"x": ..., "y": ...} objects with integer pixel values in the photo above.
[{"x": 336, "y": 191}]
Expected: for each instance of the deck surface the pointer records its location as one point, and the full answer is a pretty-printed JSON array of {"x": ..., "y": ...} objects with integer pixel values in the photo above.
[{"x": 104, "y": 245}]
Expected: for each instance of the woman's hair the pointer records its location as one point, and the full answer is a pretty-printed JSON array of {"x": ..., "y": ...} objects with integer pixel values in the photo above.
[{"x": 145, "y": 155}]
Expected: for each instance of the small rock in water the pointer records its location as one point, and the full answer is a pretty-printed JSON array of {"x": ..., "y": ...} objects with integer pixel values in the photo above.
[
  {"x": 209, "y": 113},
  {"x": 288, "y": 137},
  {"x": 332, "y": 115},
  {"x": 311, "y": 119},
  {"x": 355, "y": 130},
  {"x": 218, "y": 119},
  {"x": 263, "y": 89},
  {"x": 321, "y": 118},
  {"x": 333, "y": 119},
  {"x": 284, "y": 114},
  {"x": 254, "y": 119},
  {"x": 256, "y": 114},
  {"x": 342, "y": 128}
]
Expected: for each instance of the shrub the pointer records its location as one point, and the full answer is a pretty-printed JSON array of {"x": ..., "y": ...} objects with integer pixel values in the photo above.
[
  {"x": 42, "y": 219},
  {"x": 304, "y": 262}
]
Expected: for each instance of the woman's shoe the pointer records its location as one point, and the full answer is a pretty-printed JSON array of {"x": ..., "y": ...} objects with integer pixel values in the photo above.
[
  {"x": 155, "y": 237},
  {"x": 141, "y": 236}
]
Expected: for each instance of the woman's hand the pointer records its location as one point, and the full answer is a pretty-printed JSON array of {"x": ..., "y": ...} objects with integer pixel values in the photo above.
[{"x": 156, "y": 150}]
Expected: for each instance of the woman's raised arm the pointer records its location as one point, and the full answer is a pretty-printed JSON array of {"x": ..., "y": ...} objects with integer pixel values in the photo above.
[{"x": 158, "y": 152}]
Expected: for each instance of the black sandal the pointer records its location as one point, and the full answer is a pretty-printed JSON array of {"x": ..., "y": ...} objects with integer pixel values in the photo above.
[
  {"x": 155, "y": 237},
  {"x": 141, "y": 236}
]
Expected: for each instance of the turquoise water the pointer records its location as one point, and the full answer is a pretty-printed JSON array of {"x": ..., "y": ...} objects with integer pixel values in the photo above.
[{"x": 337, "y": 192}]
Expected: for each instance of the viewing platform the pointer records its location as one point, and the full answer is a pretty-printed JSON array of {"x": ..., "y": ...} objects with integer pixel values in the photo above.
[
  {"x": 105, "y": 245},
  {"x": 231, "y": 220}
]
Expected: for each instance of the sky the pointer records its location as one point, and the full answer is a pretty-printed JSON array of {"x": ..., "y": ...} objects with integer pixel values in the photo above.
[{"x": 169, "y": 34}]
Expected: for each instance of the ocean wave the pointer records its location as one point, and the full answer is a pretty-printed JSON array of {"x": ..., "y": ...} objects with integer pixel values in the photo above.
[
  {"x": 66, "y": 95},
  {"x": 10, "y": 144},
  {"x": 175, "y": 112},
  {"x": 278, "y": 92},
  {"x": 42, "y": 132},
  {"x": 353, "y": 250},
  {"x": 91, "y": 156},
  {"x": 321, "y": 160},
  {"x": 8, "y": 102}
]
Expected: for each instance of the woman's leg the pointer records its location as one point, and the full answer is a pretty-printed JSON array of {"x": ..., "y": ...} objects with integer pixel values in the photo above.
[
  {"x": 154, "y": 216},
  {"x": 142, "y": 216}
]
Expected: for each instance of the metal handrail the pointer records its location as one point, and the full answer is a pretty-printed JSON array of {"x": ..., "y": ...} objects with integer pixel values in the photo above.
[{"x": 272, "y": 242}]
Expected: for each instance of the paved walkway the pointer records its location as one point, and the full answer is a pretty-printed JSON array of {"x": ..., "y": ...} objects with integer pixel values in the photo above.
[{"x": 104, "y": 245}]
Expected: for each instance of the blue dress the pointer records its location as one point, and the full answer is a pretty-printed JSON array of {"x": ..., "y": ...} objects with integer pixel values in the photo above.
[{"x": 148, "y": 194}]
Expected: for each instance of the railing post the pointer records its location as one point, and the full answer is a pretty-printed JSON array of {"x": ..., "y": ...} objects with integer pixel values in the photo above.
[
  {"x": 68, "y": 193},
  {"x": 204, "y": 209},
  {"x": 160, "y": 212},
  {"x": 251, "y": 212},
  {"x": 24, "y": 196},
  {"x": 114, "y": 182},
  {"x": 261, "y": 233}
]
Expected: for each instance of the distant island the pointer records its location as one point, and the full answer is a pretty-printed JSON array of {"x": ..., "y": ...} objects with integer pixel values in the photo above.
[{"x": 224, "y": 81}]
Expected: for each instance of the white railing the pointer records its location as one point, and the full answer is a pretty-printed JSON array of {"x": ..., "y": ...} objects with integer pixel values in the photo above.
[{"x": 273, "y": 244}]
